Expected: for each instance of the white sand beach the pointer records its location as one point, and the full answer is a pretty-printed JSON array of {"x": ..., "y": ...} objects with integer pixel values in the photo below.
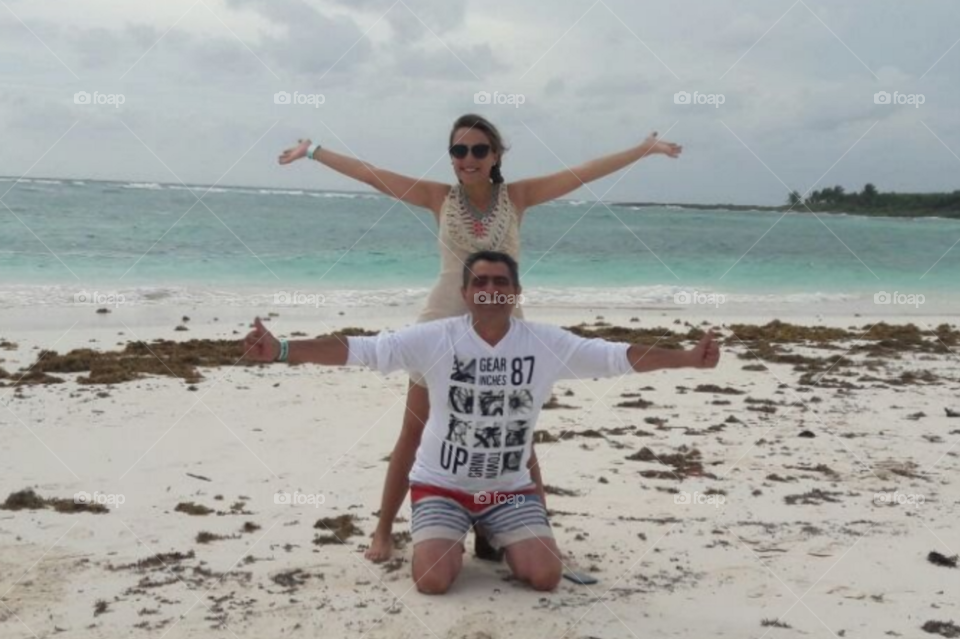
[{"x": 783, "y": 533}]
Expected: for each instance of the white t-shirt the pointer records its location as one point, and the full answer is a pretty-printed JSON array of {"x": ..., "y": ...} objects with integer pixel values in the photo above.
[{"x": 484, "y": 400}]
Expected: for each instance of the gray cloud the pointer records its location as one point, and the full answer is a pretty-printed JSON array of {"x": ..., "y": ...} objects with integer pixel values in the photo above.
[
  {"x": 456, "y": 64},
  {"x": 799, "y": 98}
]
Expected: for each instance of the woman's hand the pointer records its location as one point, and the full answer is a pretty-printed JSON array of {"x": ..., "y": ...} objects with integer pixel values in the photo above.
[
  {"x": 294, "y": 153},
  {"x": 655, "y": 145}
]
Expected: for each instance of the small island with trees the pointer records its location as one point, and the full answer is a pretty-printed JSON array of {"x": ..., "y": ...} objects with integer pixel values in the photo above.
[{"x": 869, "y": 201}]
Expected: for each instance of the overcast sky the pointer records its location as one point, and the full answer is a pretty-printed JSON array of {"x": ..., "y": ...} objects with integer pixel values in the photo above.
[{"x": 198, "y": 79}]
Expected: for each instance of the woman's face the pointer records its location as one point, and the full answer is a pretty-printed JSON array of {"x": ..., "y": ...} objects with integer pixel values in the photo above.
[{"x": 471, "y": 169}]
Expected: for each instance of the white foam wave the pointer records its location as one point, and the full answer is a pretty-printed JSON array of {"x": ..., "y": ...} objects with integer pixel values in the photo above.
[
  {"x": 202, "y": 189},
  {"x": 345, "y": 196},
  {"x": 278, "y": 192},
  {"x": 571, "y": 297},
  {"x": 148, "y": 186},
  {"x": 632, "y": 296}
]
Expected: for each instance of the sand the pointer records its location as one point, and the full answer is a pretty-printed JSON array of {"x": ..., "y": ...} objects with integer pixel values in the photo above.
[{"x": 781, "y": 535}]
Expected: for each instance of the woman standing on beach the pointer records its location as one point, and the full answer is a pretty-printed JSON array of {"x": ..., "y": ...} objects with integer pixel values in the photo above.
[{"x": 480, "y": 212}]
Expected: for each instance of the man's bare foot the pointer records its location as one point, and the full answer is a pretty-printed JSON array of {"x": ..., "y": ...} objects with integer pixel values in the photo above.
[
  {"x": 483, "y": 549},
  {"x": 381, "y": 546}
]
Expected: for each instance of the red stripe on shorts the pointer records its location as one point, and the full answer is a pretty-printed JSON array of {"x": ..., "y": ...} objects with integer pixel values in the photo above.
[{"x": 467, "y": 500}]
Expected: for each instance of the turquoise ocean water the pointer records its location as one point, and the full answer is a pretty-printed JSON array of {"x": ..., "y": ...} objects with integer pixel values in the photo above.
[{"x": 157, "y": 242}]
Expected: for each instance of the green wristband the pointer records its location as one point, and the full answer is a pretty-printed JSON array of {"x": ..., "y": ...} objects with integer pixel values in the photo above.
[
  {"x": 313, "y": 148},
  {"x": 284, "y": 351}
]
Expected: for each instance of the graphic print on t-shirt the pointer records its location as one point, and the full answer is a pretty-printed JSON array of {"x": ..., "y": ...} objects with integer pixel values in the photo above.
[
  {"x": 521, "y": 402},
  {"x": 517, "y": 433},
  {"x": 490, "y": 403},
  {"x": 488, "y": 436},
  {"x": 461, "y": 399},
  {"x": 459, "y": 430},
  {"x": 464, "y": 372}
]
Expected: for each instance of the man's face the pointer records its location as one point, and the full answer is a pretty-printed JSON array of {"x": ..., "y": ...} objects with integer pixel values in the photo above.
[{"x": 490, "y": 290}]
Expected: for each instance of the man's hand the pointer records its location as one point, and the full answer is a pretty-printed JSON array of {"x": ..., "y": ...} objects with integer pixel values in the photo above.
[
  {"x": 260, "y": 345},
  {"x": 706, "y": 354}
]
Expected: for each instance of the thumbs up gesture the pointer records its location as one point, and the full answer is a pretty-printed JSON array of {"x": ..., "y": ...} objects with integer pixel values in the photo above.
[
  {"x": 706, "y": 354},
  {"x": 260, "y": 345}
]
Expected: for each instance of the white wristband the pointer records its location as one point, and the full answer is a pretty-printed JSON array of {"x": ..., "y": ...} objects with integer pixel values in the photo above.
[{"x": 311, "y": 150}]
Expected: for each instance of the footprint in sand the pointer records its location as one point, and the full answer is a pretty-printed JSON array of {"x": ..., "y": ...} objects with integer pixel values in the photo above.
[
  {"x": 481, "y": 625},
  {"x": 36, "y": 581}
]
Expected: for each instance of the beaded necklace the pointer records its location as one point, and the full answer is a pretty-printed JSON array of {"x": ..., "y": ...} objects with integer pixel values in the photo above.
[{"x": 479, "y": 219}]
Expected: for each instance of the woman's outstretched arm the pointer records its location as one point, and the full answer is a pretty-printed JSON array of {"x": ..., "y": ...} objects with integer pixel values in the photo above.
[
  {"x": 533, "y": 191},
  {"x": 423, "y": 193}
]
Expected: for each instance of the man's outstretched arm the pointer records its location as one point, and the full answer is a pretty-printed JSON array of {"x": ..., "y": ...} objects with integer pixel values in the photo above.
[{"x": 705, "y": 354}]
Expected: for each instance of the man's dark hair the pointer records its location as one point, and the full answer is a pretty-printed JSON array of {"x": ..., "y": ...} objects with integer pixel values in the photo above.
[{"x": 490, "y": 256}]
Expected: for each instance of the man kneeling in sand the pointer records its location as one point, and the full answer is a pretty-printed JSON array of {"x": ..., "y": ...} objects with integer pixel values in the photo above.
[{"x": 488, "y": 374}]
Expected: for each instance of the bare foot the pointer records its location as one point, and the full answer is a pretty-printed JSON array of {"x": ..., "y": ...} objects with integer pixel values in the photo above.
[
  {"x": 483, "y": 549},
  {"x": 381, "y": 546}
]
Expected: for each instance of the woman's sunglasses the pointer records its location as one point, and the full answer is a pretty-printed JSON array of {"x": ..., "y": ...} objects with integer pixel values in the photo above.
[{"x": 460, "y": 151}]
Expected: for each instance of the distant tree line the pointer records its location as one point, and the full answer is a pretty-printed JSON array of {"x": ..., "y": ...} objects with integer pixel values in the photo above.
[{"x": 869, "y": 201}]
